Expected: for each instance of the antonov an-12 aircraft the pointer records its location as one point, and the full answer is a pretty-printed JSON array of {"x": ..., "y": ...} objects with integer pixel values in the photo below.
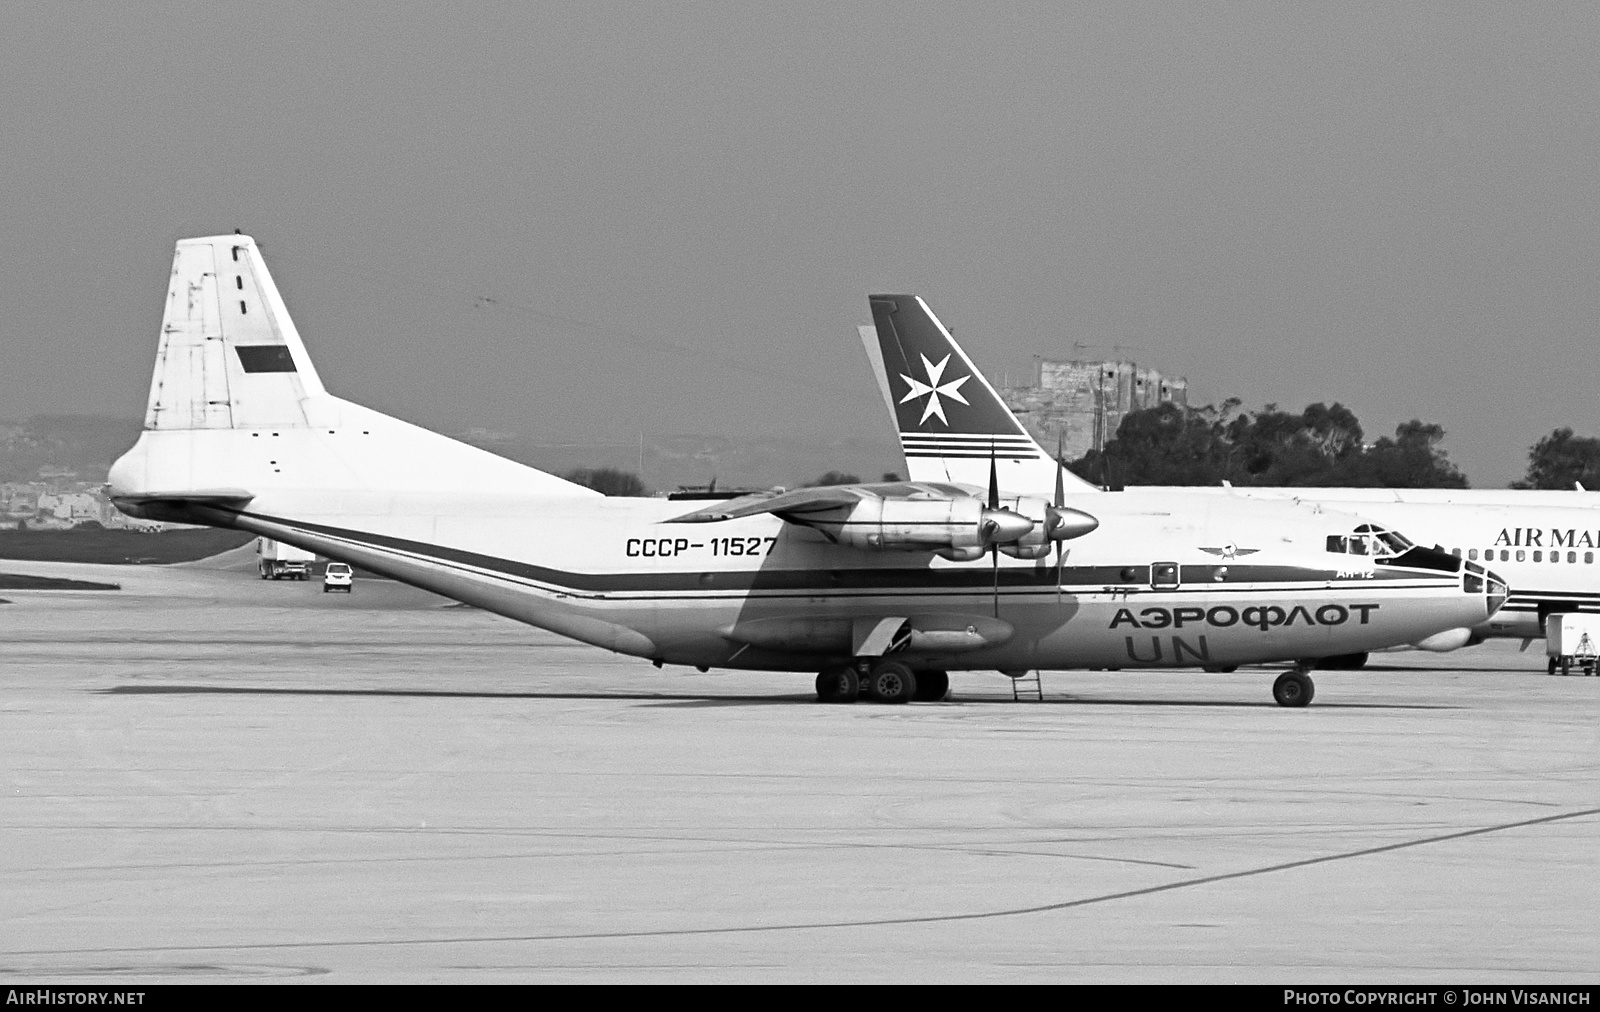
[
  {"x": 880, "y": 588},
  {"x": 1545, "y": 544}
]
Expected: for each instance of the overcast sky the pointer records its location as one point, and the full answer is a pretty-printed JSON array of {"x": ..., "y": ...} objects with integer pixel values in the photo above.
[{"x": 584, "y": 220}]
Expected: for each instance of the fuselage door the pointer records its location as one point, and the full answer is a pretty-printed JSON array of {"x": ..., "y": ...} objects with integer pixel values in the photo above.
[{"x": 1163, "y": 574}]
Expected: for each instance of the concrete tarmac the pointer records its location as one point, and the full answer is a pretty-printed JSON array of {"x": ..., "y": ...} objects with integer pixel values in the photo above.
[{"x": 239, "y": 781}]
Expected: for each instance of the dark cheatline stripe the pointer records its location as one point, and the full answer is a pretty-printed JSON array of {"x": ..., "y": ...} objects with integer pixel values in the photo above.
[
  {"x": 963, "y": 437},
  {"x": 923, "y": 444},
  {"x": 966, "y": 580}
]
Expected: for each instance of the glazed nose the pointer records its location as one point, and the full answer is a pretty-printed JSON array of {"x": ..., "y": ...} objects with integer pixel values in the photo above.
[
  {"x": 1477, "y": 580},
  {"x": 1495, "y": 592}
]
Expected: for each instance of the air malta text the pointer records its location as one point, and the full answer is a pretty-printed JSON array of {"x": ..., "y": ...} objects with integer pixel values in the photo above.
[
  {"x": 1262, "y": 617},
  {"x": 1532, "y": 537}
]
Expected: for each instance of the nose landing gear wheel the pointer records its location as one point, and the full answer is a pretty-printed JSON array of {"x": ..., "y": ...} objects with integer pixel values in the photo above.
[
  {"x": 892, "y": 682},
  {"x": 1293, "y": 688},
  {"x": 838, "y": 685}
]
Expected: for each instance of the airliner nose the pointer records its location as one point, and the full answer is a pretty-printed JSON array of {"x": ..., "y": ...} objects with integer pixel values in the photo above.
[{"x": 1002, "y": 527}]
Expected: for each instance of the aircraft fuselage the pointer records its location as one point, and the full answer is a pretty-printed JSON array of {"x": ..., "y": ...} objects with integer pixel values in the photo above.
[{"x": 1209, "y": 586}]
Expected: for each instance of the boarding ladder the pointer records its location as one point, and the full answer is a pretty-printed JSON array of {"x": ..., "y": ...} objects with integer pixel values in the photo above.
[
  {"x": 1028, "y": 685},
  {"x": 1585, "y": 654}
]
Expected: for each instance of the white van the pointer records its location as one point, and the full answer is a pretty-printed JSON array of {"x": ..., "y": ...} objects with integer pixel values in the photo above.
[{"x": 337, "y": 576}]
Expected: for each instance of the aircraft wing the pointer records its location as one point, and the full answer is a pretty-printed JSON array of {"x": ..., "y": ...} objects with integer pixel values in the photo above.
[
  {"x": 801, "y": 500},
  {"x": 950, "y": 520}
]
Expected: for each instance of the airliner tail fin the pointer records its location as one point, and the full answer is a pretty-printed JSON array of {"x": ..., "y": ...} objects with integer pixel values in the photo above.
[{"x": 951, "y": 420}]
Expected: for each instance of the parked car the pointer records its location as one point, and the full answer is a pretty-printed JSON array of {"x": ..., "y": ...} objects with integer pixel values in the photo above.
[{"x": 337, "y": 576}]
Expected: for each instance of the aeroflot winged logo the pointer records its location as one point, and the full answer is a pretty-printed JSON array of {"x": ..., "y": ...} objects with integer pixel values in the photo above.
[
  {"x": 934, "y": 389},
  {"x": 1231, "y": 551}
]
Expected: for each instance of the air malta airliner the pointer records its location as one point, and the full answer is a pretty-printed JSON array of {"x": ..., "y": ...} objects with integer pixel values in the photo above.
[
  {"x": 881, "y": 589},
  {"x": 1545, "y": 543}
]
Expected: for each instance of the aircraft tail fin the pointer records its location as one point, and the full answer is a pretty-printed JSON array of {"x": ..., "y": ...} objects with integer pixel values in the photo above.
[
  {"x": 229, "y": 356},
  {"x": 236, "y": 405},
  {"x": 950, "y": 418}
]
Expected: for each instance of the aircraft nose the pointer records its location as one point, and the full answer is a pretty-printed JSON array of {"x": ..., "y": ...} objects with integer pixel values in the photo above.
[{"x": 1002, "y": 527}]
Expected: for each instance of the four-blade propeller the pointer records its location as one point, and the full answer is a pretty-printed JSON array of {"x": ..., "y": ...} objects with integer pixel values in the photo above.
[{"x": 1003, "y": 526}]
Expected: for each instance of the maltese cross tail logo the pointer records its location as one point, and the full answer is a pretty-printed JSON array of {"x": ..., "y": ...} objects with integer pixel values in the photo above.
[{"x": 934, "y": 389}]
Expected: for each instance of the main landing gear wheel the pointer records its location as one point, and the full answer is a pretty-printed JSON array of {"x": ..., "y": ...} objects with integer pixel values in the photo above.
[
  {"x": 892, "y": 682},
  {"x": 1293, "y": 688},
  {"x": 932, "y": 686},
  {"x": 838, "y": 685}
]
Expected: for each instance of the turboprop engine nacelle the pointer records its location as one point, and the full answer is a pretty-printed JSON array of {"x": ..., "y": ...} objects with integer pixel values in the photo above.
[
  {"x": 955, "y": 528},
  {"x": 1051, "y": 524}
]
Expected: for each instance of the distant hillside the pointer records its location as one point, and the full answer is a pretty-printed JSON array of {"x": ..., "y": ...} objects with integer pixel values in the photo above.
[
  {"x": 63, "y": 448},
  {"x": 674, "y": 460}
]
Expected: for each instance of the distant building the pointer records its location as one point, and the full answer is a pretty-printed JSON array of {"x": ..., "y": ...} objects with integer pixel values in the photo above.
[
  {"x": 1086, "y": 401},
  {"x": 76, "y": 507},
  {"x": 39, "y": 506},
  {"x": 21, "y": 499}
]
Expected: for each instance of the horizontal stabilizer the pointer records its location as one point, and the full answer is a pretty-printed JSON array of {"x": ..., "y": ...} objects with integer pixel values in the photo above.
[
  {"x": 203, "y": 497},
  {"x": 186, "y": 507}
]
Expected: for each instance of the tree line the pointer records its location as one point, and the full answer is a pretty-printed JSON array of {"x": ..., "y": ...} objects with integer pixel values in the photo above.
[
  {"x": 1322, "y": 446},
  {"x": 1563, "y": 460}
]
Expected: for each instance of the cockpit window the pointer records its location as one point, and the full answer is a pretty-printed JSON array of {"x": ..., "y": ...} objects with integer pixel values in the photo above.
[{"x": 1369, "y": 539}]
